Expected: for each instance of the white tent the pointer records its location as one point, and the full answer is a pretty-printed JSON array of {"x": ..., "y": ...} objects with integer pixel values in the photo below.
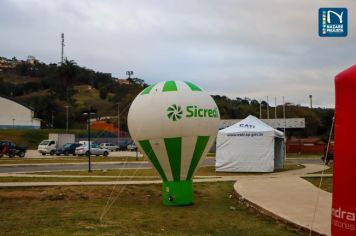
[{"x": 249, "y": 146}]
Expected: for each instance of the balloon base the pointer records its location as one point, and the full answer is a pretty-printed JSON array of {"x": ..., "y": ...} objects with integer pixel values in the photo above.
[{"x": 177, "y": 193}]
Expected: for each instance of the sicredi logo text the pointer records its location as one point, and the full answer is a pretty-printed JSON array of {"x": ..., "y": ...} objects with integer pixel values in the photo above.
[
  {"x": 175, "y": 112},
  {"x": 332, "y": 22}
]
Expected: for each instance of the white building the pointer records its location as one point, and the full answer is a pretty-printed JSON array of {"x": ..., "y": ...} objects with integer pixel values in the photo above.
[{"x": 14, "y": 115}]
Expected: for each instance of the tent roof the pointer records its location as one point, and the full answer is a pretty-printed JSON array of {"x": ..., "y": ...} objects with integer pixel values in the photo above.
[{"x": 250, "y": 124}]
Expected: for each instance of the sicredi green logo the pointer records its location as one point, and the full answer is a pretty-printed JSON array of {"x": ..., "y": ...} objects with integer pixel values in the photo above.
[{"x": 175, "y": 112}]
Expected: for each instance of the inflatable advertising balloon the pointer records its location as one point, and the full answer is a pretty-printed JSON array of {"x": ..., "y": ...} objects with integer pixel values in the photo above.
[
  {"x": 344, "y": 180},
  {"x": 174, "y": 123}
]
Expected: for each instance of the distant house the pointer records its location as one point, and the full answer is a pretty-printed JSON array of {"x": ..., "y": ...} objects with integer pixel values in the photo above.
[
  {"x": 311, "y": 145},
  {"x": 10, "y": 64},
  {"x": 6, "y": 64},
  {"x": 123, "y": 81},
  {"x": 31, "y": 60},
  {"x": 14, "y": 115}
]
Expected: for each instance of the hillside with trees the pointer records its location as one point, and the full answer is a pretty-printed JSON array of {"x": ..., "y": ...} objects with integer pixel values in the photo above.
[{"x": 49, "y": 88}]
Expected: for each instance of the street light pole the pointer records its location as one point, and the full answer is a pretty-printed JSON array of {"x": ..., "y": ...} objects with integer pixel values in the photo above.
[
  {"x": 89, "y": 144},
  {"x": 88, "y": 113},
  {"x": 52, "y": 120},
  {"x": 118, "y": 124},
  {"x": 67, "y": 114}
]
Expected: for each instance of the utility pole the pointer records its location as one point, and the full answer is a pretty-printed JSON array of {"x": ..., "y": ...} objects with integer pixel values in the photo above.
[
  {"x": 118, "y": 124},
  {"x": 267, "y": 108},
  {"x": 67, "y": 116},
  {"x": 284, "y": 116},
  {"x": 52, "y": 119},
  {"x": 260, "y": 109},
  {"x": 284, "y": 130},
  {"x": 62, "y": 47},
  {"x": 311, "y": 101}
]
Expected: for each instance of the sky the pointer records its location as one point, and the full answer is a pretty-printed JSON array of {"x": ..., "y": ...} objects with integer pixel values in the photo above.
[{"x": 237, "y": 48}]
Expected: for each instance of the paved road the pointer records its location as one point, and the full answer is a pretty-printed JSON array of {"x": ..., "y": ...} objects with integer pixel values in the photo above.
[
  {"x": 84, "y": 166},
  {"x": 306, "y": 160},
  {"x": 35, "y": 154},
  {"x": 290, "y": 197}
]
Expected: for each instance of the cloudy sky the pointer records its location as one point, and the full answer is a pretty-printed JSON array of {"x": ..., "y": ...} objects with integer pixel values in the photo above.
[{"x": 236, "y": 48}]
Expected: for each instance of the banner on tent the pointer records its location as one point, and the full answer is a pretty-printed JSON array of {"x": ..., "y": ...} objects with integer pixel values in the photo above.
[
  {"x": 258, "y": 134},
  {"x": 290, "y": 123}
]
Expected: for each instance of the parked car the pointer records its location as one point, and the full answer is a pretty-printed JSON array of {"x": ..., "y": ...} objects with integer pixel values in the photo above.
[
  {"x": 11, "y": 149},
  {"x": 131, "y": 147},
  {"x": 329, "y": 156},
  {"x": 67, "y": 149},
  {"x": 95, "y": 149},
  {"x": 112, "y": 147},
  {"x": 123, "y": 144}
]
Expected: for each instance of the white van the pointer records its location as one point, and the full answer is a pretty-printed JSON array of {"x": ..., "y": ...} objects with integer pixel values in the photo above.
[
  {"x": 47, "y": 147},
  {"x": 55, "y": 141}
]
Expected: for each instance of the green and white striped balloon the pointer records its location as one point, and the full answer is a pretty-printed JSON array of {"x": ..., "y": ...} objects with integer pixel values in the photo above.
[{"x": 174, "y": 123}]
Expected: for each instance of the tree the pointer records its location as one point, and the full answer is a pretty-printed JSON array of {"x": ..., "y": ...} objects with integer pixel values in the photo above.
[
  {"x": 137, "y": 81},
  {"x": 67, "y": 72},
  {"x": 103, "y": 92}
]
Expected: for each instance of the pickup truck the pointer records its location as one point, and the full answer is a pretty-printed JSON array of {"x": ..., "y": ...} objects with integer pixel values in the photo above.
[{"x": 11, "y": 149}]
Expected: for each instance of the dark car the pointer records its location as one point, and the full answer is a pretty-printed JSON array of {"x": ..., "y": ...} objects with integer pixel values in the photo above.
[
  {"x": 123, "y": 145},
  {"x": 67, "y": 149},
  {"x": 11, "y": 149},
  {"x": 329, "y": 155}
]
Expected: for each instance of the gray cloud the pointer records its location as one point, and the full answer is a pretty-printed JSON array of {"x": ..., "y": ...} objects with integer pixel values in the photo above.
[{"x": 238, "y": 48}]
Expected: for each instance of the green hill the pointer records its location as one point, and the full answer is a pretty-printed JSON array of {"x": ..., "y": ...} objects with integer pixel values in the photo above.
[{"x": 49, "y": 88}]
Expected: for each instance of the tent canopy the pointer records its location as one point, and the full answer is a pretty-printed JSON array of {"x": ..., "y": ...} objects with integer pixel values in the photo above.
[
  {"x": 249, "y": 146},
  {"x": 251, "y": 124}
]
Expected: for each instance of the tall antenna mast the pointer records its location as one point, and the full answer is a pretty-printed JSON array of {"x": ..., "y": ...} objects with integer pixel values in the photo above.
[
  {"x": 62, "y": 47},
  {"x": 311, "y": 101}
]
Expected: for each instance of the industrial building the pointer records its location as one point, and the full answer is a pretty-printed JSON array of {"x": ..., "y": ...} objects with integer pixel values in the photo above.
[{"x": 14, "y": 115}]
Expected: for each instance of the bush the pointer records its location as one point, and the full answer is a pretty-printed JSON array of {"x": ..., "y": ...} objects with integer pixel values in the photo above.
[{"x": 103, "y": 93}]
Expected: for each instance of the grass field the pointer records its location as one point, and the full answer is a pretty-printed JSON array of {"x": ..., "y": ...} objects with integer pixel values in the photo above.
[
  {"x": 7, "y": 179},
  {"x": 85, "y": 96},
  {"x": 326, "y": 185},
  {"x": 295, "y": 155},
  {"x": 137, "y": 211},
  {"x": 328, "y": 171}
]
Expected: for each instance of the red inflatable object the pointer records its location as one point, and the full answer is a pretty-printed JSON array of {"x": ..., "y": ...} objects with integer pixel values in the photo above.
[{"x": 343, "y": 221}]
